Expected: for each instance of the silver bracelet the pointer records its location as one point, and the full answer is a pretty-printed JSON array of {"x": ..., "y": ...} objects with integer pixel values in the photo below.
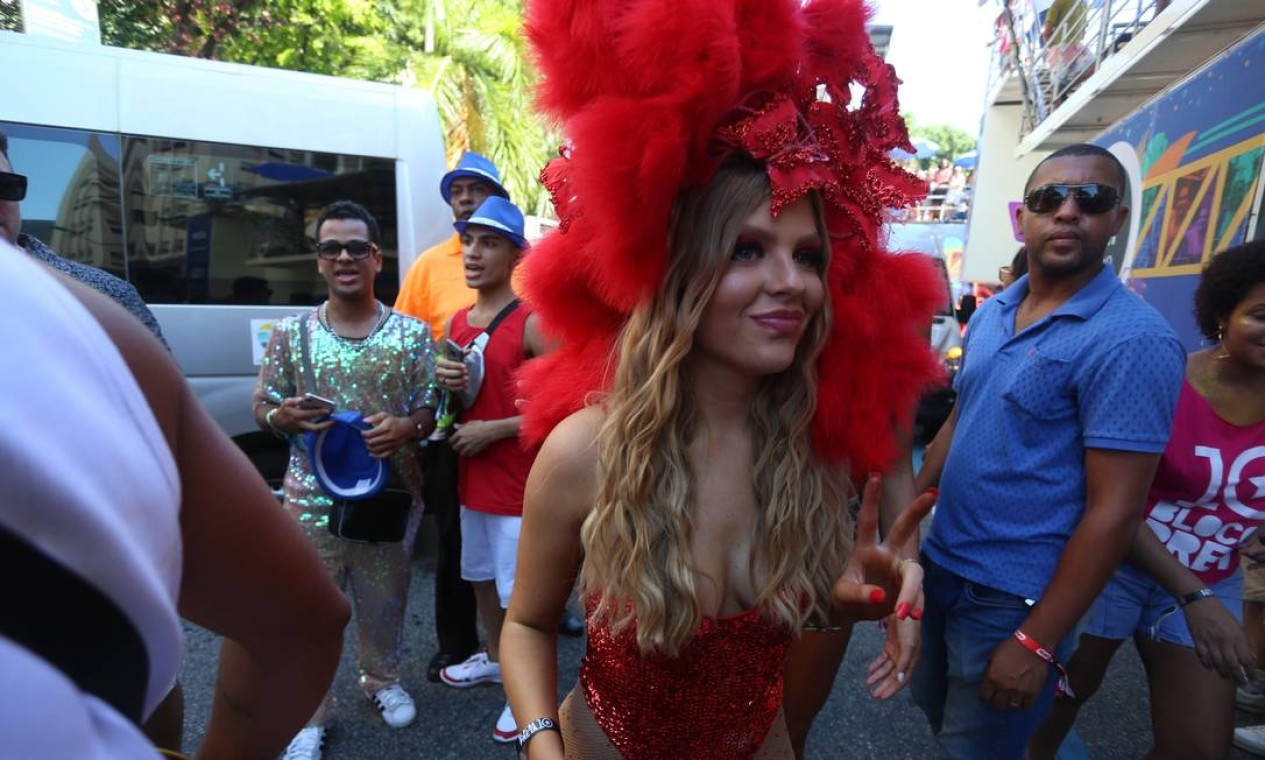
[
  {"x": 272, "y": 426},
  {"x": 535, "y": 727}
]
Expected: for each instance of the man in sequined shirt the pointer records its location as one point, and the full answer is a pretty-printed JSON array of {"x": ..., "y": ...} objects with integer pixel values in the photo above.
[{"x": 365, "y": 357}]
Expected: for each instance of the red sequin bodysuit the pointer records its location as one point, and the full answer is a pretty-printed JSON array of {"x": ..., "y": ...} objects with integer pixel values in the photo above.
[{"x": 716, "y": 699}]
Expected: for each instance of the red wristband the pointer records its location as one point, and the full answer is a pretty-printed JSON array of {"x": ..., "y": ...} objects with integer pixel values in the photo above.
[{"x": 1032, "y": 645}]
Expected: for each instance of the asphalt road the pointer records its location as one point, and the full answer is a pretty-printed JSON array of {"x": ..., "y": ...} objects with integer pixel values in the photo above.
[{"x": 457, "y": 724}]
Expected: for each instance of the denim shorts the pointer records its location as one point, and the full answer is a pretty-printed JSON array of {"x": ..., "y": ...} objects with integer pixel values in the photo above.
[
  {"x": 963, "y": 624},
  {"x": 1133, "y": 604}
]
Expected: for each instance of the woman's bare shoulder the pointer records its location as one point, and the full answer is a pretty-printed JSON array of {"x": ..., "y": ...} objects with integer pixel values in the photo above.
[{"x": 565, "y": 472}]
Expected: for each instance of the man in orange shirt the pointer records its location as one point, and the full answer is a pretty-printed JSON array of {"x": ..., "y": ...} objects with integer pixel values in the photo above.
[{"x": 434, "y": 289}]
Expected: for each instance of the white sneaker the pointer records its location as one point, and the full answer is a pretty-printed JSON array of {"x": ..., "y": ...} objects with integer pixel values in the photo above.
[
  {"x": 1250, "y": 739},
  {"x": 306, "y": 745},
  {"x": 396, "y": 706},
  {"x": 1250, "y": 698},
  {"x": 475, "y": 670},
  {"x": 506, "y": 729}
]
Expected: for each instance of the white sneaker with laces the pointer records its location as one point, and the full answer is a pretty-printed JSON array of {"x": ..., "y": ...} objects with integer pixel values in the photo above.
[
  {"x": 506, "y": 729},
  {"x": 475, "y": 670},
  {"x": 396, "y": 706},
  {"x": 1250, "y": 739},
  {"x": 306, "y": 745},
  {"x": 1250, "y": 698}
]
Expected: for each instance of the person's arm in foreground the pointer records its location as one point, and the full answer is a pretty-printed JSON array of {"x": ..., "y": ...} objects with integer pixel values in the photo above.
[
  {"x": 560, "y": 493},
  {"x": 1220, "y": 641},
  {"x": 1116, "y": 486},
  {"x": 249, "y": 573}
]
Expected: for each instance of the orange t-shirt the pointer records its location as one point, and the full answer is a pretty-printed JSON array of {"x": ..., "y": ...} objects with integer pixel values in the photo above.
[{"x": 435, "y": 286}]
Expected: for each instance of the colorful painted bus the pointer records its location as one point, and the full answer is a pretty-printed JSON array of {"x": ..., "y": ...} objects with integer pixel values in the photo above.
[
  {"x": 1176, "y": 91},
  {"x": 1196, "y": 153}
]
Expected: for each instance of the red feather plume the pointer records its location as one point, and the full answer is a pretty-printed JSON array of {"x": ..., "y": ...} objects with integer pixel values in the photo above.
[{"x": 647, "y": 91}]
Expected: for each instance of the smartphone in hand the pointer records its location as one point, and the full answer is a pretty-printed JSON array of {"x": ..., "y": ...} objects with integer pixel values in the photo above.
[
  {"x": 313, "y": 401},
  {"x": 453, "y": 350}
]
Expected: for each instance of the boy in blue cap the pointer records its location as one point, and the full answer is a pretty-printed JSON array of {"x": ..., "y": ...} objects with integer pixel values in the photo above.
[
  {"x": 497, "y": 335},
  {"x": 432, "y": 291}
]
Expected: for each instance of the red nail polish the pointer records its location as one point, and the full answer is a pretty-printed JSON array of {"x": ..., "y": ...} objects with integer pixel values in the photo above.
[
  {"x": 877, "y": 596},
  {"x": 916, "y": 614},
  {"x": 935, "y": 492},
  {"x": 902, "y": 610}
]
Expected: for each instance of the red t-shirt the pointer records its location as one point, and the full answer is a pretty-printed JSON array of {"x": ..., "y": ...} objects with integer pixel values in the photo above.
[
  {"x": 1209, "y": 491},
  {"x": 493, "y": 480}
]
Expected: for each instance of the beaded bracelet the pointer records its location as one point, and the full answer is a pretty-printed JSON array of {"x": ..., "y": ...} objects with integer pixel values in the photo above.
[{"x": 1032, "y": 645}]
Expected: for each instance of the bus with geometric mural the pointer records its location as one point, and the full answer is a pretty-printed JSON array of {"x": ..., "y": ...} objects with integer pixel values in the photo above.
[
  {"x": 1198, "y": 149},
  {"x": 1174, "y": 89}
]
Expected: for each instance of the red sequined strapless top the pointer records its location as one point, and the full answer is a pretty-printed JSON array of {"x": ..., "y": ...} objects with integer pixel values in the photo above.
[{"x": 717, "y": 699}]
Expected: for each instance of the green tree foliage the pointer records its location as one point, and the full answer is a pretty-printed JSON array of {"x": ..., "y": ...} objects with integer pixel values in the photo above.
[
  {"x": 10, "y": 16},
  {"x": 953, "y": 142},
  {"x": 475, "y": 63},
  {"x": 469, "y": 54}
]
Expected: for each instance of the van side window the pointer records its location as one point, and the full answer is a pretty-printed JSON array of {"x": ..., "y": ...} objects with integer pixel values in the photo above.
[
  {"x": 72, "y": 197},
  {"x": 231, "y": 224}
]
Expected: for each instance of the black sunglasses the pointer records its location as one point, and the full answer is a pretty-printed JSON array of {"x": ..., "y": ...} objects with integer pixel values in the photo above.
[
  {"x": 332, "y": 249},
  {"x": 1091, "y": 198},
  {"x": 12, "y": 186}
]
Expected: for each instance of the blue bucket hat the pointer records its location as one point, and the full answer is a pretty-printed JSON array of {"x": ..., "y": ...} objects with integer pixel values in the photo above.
[
  {"x": 500, "y": 215},
  {"x": 341, "y": 462},
  {"x": 476, "y": 166}
]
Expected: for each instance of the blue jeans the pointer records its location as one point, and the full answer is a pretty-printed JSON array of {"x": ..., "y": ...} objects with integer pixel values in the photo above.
[{"x": 963, "y": 623}]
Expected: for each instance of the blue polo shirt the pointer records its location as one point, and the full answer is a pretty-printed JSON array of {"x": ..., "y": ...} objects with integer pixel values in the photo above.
[{"x": 1102, "y": 371}]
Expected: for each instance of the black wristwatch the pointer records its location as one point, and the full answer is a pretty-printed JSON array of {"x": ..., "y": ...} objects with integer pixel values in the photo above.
[
  {"x": 535, "y": 727},
  {"x": 1195, "y": 596}
]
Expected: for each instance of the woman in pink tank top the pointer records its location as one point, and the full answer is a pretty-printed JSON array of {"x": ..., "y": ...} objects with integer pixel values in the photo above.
[{"x": 1180, "y": 595}]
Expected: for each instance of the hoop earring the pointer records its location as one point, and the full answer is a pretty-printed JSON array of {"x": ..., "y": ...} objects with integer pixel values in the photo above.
[{"x": 1223, "y": 353}]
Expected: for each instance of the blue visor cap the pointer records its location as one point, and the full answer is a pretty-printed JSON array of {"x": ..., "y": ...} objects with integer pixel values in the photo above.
[
  {"x": 341, "y": 461},
  {"x": 500, "y": 216},
  {"x": 476, "y": 167}
]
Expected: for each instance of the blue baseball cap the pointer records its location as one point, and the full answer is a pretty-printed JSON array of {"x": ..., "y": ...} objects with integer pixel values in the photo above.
[
  {"x": 498, "y": 214},
  {"x": 476, "y": 166},
  {"x": 341, "y": 462}
]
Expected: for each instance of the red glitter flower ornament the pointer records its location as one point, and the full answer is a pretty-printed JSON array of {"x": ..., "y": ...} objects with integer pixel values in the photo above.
[
  {"x": 779, "y": 134},
  {"x": 653, "y": 95}
]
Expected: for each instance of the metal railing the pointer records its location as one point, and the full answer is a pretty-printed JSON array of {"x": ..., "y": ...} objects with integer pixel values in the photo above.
[{"x": 1053, "y": 51}]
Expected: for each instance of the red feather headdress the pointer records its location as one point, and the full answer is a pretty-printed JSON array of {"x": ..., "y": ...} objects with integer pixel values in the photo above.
[{"x": 652, "y": 95}]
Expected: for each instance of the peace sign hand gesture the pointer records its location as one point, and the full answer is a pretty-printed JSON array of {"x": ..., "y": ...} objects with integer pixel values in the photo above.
[{"x": 878, "y": 581}]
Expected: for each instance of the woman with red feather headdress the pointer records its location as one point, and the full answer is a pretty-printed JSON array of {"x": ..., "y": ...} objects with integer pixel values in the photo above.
[{"x": 734, "y": 343}]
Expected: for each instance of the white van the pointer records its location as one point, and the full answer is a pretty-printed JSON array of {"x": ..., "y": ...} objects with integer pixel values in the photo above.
[{"x": 199, "y": 181}]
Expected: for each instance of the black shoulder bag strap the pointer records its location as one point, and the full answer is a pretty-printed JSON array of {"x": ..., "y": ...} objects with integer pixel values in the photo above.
[{"x": 480, "y": 341}]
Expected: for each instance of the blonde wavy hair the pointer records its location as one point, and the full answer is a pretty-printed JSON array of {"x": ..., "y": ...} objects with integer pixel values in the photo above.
[{"x": 636, "y": 540}]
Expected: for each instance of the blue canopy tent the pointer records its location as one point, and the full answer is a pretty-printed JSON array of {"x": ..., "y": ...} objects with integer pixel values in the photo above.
[{"x": 923, "y": 148}]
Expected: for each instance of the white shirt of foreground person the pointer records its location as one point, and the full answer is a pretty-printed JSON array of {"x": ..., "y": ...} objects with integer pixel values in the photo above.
[{"x": 88, "y": 481}]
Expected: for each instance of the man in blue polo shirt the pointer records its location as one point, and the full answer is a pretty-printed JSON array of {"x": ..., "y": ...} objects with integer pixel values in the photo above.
[{"x": 1065, "y": 400}]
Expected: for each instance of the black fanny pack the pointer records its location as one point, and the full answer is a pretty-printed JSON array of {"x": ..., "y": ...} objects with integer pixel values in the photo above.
[{"x": 380, "y": 519}]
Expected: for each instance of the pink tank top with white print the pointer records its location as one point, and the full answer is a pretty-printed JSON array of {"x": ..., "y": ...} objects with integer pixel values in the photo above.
[{"x": 1209, "y": 492}]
